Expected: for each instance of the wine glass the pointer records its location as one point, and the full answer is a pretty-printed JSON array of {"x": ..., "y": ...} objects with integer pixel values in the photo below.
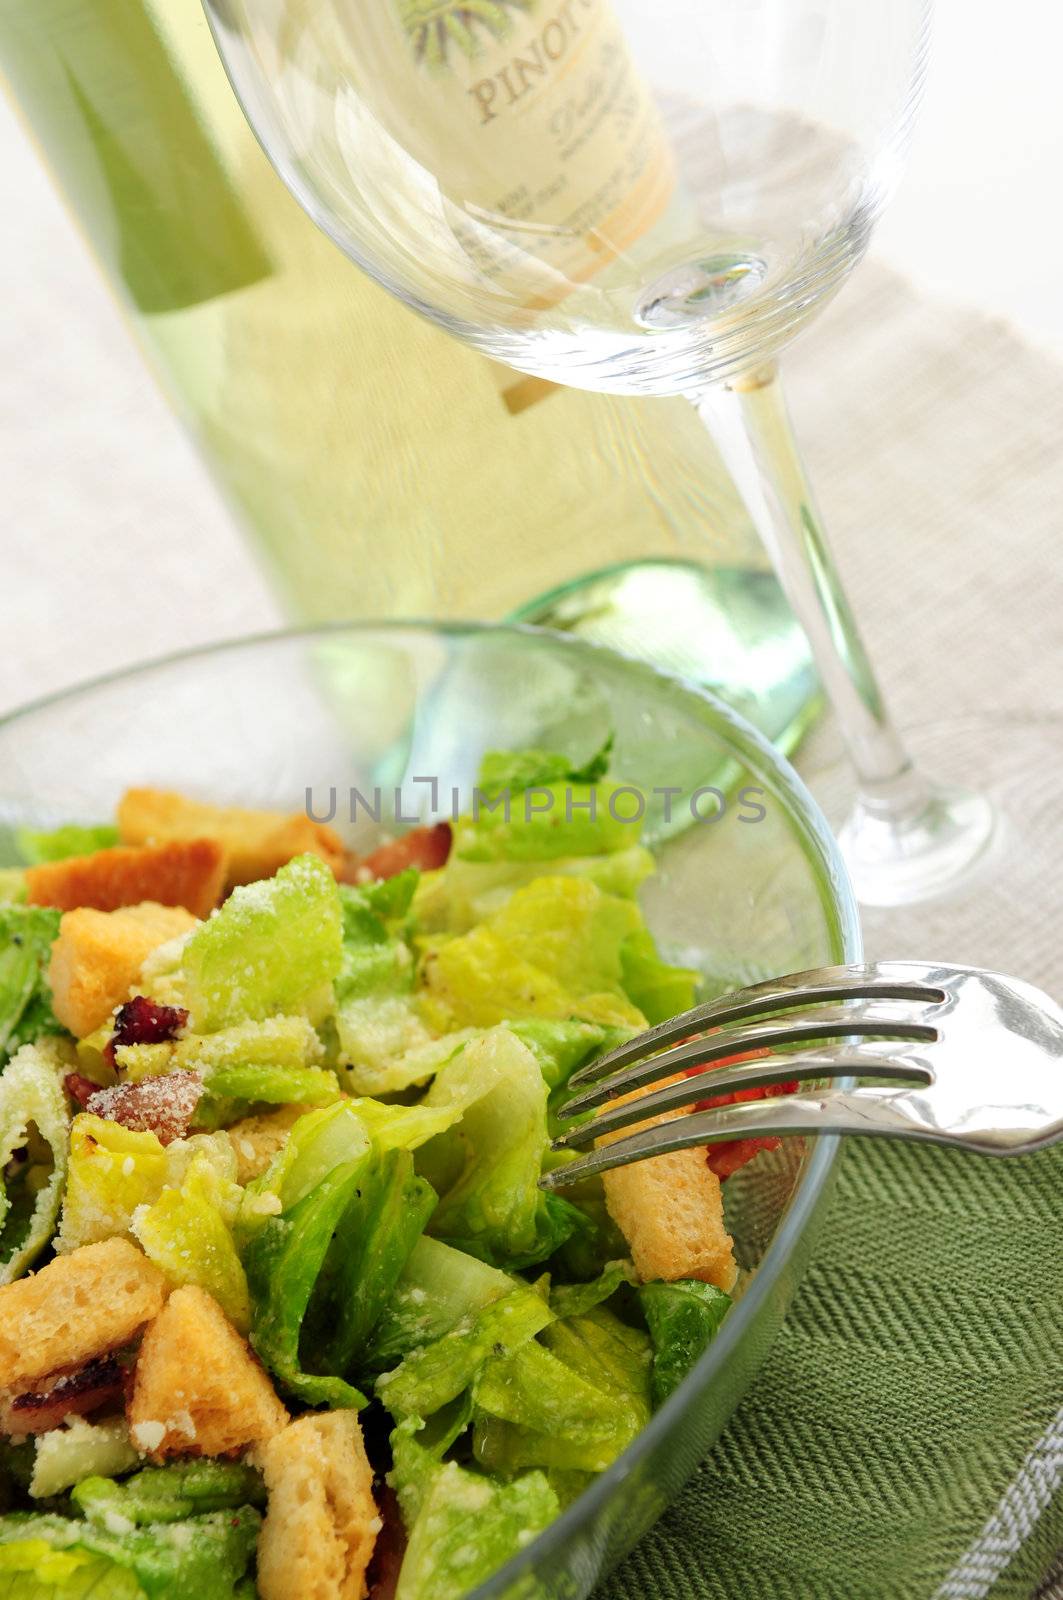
[{"x": 637, "y": 196}]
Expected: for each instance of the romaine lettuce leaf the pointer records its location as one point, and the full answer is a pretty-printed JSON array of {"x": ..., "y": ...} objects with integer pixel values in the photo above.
[
  {"x": 553, "y": 951},
  {"x": 34, "y": 1127},
  {"x": 433, "y": 1375},
  {"x": 171, "y": 1493},
  {"x": 72, "y": 839},
  {"x": 438, "y": 1287},
  {"x": 463, "y": 893},
  {"x": 202, "y": 1558},
  {"x": 375, "y": 960},
  {"x": 683, "y": 1319},
  {"x": 384, "y": 1046},
  {"x": 658, "y": 989},
  {"x": 323, "y": 1271},
  {"x": 267, "y": 1042},
  {"x": 571, "y": 1400},
  {"x": 271, "y": 948},
  {"x": 26, "y": 937},
  {"x": 486, "y": 1170},
  {"x": 533, "y": 1409},
  {"x": 63, "y": 1456},
  {"x": 114, "y": 1169},
  {"x": 284, "y": 1260},
  {"x": 33, "y": 1569},
  {"x": 517, "y": 770},
  {"x": 12, "y": 886},
  {"x": 187, "y": 1237},
  {"x": 462, "y": 1526},
  {"x": 316, "y": 1144},
  {"x": 279, "y": 1086}
]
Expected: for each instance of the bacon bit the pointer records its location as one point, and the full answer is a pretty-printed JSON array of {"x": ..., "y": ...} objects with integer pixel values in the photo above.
[
  {"x": 144, "y": 1021},
  {"x": 726, "y": 1158},
  {"x": 80, "y": 1090},
  {"x": 75, "y": 1392},
  {"x": 425, "y": 848},
  {"x": 164, "y": 1105}
]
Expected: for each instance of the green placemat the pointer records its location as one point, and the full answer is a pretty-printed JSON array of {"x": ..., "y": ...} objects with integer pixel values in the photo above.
[{"x": 904, "y": 1440}]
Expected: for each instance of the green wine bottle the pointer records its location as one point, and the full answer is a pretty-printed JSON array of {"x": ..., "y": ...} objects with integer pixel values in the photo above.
[{"x": 379, "y": 467}]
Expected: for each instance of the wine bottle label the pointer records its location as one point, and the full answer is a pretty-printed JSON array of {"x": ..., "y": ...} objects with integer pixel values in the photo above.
[{"x": 534, "y": 120}]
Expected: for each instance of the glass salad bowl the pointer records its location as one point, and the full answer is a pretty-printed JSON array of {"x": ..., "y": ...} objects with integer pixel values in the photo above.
[{"x": 373, "y": 727}]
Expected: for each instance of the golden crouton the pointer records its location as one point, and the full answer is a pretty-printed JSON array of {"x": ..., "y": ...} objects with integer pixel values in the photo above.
[
  {"x": 670, "y": 1210},
  {"x": 186, "y": 873},
  {"x": 256, "y": 843},
  {"x": 198, "y": 1389},
  {"x": 80, "y": 1305},
  {"x": 98, "y": 955},
  {"x": 256, "y": 1140},
  {"x": 321, "y": 1521}
]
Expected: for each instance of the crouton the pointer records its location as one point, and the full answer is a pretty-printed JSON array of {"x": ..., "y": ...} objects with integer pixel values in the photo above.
[
  {"x": 321, "y": 1520},
  {"x": 256, "y": 1140},
  {"x": 256, "y": 843},
  {"x": 185, "y": 873},
  {"x": 198, "y": 1390},
  {"x": 80, "y": 1305},
  {"x": 670, "y": 1210},
  {"x": 98, "y": 955}
]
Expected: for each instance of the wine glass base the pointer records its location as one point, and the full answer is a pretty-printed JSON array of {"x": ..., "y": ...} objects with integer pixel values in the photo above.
[
  {"x": 1003, "y": 908},
  {"x": 902, "y": 862}
]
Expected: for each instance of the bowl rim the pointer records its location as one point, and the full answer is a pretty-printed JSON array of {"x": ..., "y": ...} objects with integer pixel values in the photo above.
[{"x": 839, "y": 900}]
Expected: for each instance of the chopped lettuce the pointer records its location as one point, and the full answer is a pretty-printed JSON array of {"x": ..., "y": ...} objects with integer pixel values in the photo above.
[
  {"x": 486, "y": 1169},
  {"x": 79, "y": 1449},
  {"x": 72, "y": 839},
  {"x": 202, "y": 1558},
  {"x": 375, "y": 960},
  {"x": 554, "y": 950},
  {"x": 34, "y": 1130},
  {"x": 189, "y": 1240},
  {"x": 171, "y": 1493},
  {"x": 26, "y": 937},
  {"x": 573, "y": 1402},
  {"x": 437, "y": 1288},
  {"x": 12, "y": 886},
  {"x": 377, "y": 1022},
  {"x": 114, "y": 1170},
  {"x": 517, "y": 770},
  {"x": 463, "y": 893},
  {"x": 316, "y": 1144},
  {"x": 658, "y": 989},
  {"x": 462, "y": 1526},
  {"x": 289, "y": 1042},
  {"x": 434, "y": 1374},
  {"x": 683, "y": 1319},
  {"x": 292, "y": 1086},
  {"x": 272, "y": 947},
  {"x": 322, "y": 1272},
  {"x": 33, "y": 1569}
]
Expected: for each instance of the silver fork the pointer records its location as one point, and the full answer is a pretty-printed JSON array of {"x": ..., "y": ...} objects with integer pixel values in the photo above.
[{"x": 979, "y": 1058}]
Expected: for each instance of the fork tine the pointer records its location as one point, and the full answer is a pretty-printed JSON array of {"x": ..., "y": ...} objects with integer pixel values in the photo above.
[
  {"x": 824, "y": 1022},
  {"x": 853, "y": 1111},
  {"x": 823, "y": 985},
  {"x": 860, "y": 1060}
]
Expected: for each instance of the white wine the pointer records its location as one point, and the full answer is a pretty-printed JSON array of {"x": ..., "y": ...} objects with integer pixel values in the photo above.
[{"x": 382, "y": 468}]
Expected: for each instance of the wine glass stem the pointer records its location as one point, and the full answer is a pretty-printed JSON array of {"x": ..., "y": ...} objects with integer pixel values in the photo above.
[{"x": 750, "y": 425}]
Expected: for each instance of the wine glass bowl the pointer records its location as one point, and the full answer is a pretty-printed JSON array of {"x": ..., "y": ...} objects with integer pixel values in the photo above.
[
  {"x": 620, "y": 195},
  {"x": 641, "y": 196}
]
